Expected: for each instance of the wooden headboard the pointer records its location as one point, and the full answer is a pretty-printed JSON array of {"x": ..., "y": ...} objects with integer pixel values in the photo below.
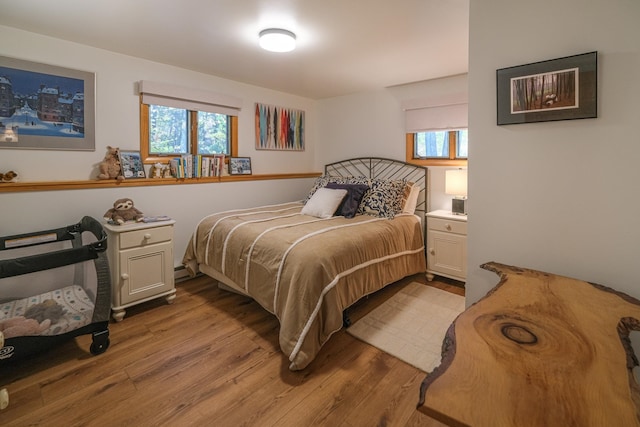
[{"x": 381, "y": 168}]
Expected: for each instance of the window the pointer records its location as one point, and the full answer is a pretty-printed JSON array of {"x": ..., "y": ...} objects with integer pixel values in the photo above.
[
  {"x": 175, "y": 121},
  {"x": 171, "y": 132},
  {"x": 446, "y": 148}
]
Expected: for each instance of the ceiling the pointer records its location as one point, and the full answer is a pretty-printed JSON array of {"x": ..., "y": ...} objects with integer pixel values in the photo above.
[{"x": 344, "y": 46}]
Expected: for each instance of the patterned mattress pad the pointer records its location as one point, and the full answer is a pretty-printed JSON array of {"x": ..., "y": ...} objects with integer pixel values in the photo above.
[{"x": 76, "y": 304}]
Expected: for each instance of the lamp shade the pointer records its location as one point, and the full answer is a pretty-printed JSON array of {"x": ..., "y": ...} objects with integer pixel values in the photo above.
[
  {"x": 456, "y": 182},
  {"x": 277, "y": 40}
]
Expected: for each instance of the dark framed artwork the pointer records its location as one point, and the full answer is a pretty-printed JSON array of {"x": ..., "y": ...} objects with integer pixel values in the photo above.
[
  {"x": 556, "y": 89},
  {"x": 46, "y": 107},
  {"x": 131, "y": 165},
  {"x": 239, "y": 165},
  {"x": 279, "y": 128}
]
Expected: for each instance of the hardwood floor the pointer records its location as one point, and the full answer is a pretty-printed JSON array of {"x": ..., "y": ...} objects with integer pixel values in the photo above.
[{"x": 212, "y": 359}]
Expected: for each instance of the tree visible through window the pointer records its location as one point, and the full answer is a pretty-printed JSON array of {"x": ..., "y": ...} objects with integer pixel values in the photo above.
[
  {"x": 168, "y": 132},
  {"x": 438, "y": 147},
  {"x": 213, "y": 133}
]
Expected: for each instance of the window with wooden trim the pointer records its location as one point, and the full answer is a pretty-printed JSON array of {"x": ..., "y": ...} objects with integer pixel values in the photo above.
[
  {"x": 177, "y": 121},
  {"x": 443, "y": 147},
  {"x": 168, "y": 132}
]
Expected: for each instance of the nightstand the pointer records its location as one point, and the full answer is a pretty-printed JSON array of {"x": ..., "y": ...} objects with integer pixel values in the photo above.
[
  {"x": 446, "y": 245},
  {"x": 141, "y": 262}
]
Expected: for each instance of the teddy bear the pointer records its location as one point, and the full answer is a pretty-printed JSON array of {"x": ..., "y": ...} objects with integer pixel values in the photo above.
[
  {"x": 122, "y": 211},
  {"x": 20, "y": 326},
  {"x": 157, "y": 170},
  {"x": 110, "y": 166},
  {"x": 10, "y": 176}
]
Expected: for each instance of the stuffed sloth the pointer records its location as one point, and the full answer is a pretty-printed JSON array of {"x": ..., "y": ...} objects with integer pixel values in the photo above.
[{"x": 122, "y": 211}]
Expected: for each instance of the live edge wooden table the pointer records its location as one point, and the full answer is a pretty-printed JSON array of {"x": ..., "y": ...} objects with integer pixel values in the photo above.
[{"x": 538, "y": 350}]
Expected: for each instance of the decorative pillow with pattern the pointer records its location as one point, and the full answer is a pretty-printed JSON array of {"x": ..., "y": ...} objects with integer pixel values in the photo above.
[
  {"x": 384, "y": 199},
  {"x": 410, "y": 197}
]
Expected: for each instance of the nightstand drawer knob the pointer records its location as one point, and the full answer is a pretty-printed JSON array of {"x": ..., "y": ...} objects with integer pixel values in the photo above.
[
  {"x": 448, "y": 227},
  {"x": 432, "y": 251},
  {"x": 124, "y": 276},
  {"x": 147, "y": 236}
]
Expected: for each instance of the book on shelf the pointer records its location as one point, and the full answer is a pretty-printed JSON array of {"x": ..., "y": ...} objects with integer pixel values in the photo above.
[
  {"x": 196, "y": 166},
  {"x": 174, "y": 167},
  {"x": 156, "y": 218},
  {"x": 206, "y": 166},
  {"x": 188, "y": 166},
  {"x": 218, "y": 164}
]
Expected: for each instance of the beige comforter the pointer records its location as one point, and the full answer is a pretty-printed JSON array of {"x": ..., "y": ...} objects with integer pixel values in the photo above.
[{"x": 306, "y": 270}]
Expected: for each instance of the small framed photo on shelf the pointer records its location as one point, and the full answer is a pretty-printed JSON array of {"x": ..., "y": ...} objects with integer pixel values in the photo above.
[
  {"x": 131, "y": 165},
  {"x": 240, "y": 166}
]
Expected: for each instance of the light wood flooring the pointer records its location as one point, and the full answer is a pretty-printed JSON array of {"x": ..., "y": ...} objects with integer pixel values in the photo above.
[{"x": 212, "y": 359}]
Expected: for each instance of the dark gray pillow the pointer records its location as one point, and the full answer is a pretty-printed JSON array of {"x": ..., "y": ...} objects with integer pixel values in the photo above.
[{"x": 349, "y": 205}]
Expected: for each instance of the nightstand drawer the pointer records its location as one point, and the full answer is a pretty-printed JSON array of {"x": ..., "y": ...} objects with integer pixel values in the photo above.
[
  {"x": 447, "y": 226},
  {"x": 148, "y": 236}
]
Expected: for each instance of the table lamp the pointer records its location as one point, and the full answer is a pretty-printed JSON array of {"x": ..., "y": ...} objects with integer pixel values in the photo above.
[{"x": 456, "y": 185}]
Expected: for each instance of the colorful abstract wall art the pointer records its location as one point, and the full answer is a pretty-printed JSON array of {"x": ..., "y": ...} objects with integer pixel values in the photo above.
[{"x": 279, "y": 128}]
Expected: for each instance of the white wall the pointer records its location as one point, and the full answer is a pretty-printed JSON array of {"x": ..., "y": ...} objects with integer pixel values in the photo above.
[
  {"x": 117, "y": 124},
  {"x": 560, "y": 197},
  {"x": 372, "y": 124}
]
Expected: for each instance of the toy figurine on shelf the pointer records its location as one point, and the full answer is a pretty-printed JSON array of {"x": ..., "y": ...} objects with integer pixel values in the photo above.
[{"x": 10, "y": 176}]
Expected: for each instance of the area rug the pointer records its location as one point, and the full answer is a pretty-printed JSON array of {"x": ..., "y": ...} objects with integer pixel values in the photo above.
[{"x": 411, "y": 324}]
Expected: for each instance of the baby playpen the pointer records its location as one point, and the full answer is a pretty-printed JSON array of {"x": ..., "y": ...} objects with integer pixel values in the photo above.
[{"x": 54, "y": 285}]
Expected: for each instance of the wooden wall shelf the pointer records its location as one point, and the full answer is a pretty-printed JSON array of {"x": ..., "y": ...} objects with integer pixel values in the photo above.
[{"x": 17, "y": 187}]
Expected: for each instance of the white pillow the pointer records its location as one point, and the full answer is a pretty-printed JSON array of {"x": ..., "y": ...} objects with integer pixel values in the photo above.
[
  {"x": 411, "y": 199},
  {"x": 324, "y": 202}
]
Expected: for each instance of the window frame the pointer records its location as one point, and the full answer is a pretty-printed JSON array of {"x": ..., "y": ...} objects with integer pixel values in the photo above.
[
  {"x": 431, "y": 161},
  {"x": 193, "y": 137}
]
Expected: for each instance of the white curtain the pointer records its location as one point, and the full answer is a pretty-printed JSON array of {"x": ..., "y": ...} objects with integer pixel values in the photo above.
[
  {"x": 441, "y": 117},
  {"x": 440, "y": 111},
  {"x": 154, "y": 93}
]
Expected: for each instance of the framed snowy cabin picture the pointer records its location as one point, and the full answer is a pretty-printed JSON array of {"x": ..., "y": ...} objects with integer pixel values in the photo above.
[{"x": 46, "y": 107}]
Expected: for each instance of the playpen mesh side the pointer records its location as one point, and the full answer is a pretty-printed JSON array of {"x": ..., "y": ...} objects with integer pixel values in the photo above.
[{"x": 102, "y": 309}]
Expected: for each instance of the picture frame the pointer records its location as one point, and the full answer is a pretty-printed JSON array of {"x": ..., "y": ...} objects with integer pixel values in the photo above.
[
  {"x": 240, "y": 166},
  {"x": 279, "y": 128},
  {"x": 46, "y": 107},
  {"x": 556, "y": 89},
  {"x": 131, "y": 165}
]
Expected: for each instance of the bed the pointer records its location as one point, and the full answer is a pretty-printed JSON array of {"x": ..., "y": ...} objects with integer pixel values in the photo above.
[{"x": 307, "y": 261}]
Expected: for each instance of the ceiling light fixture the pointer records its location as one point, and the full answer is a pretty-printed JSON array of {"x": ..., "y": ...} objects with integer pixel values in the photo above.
[{"x": 277, "y": 40}]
